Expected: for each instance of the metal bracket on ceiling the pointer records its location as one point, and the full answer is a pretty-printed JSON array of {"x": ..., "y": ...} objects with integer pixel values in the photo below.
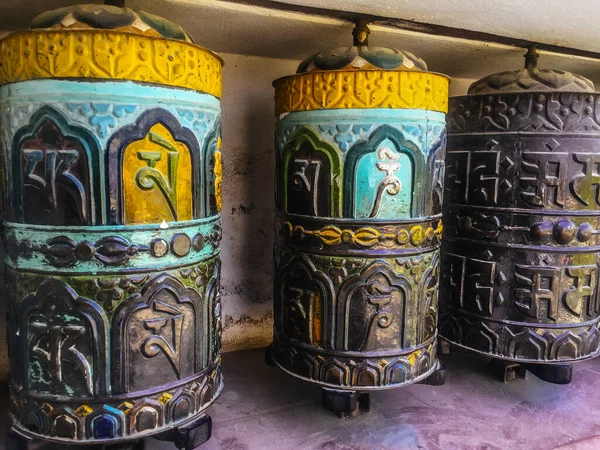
[{"x": 118, "y": 3}]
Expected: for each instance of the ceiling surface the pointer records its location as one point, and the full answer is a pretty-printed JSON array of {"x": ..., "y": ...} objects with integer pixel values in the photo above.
[{"x": 568, "y": 23}]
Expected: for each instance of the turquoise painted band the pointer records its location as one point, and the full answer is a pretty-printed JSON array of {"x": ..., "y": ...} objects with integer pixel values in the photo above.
[
  {"x": 349, "y": 115},
  {"x": 344, "y": 128},
  {"x": 105, "y": 106},
  {"x": 111, "y": 249},
  {"x": 122, "y": 91}
]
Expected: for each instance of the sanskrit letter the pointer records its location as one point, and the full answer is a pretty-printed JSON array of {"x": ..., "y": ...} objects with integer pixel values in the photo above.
[
  {"x": 303, "y": 181},
  {"x": 157, "y": 179},
  {"x": 165, "y": 334},
  {"x": 582, "y": 290},
  {"x": 544, "y": 178},
  {"x": 586, "y": 186},
  {"x": 391, "y": 183},
  {"x": 479, "y": 285},
  {"x": 53, "y": 344},
  {"x": 539, "y": 284}
]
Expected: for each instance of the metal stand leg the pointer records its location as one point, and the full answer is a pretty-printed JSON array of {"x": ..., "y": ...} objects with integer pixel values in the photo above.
[
  {"x": 507, "y": 371},
  {"x": 438, "y": 377},
  {"x": 346, "y": 403},
  {"x": 190, "y": 435},
  {"x": 552, "y": 373},
  {"x": 443, "y": 347},
  {"x": 269, "y": 358}
]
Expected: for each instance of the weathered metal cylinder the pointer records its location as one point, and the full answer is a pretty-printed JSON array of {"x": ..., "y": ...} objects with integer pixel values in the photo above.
[
  {"x": 360, "y": 146},
  {"x": 111, "y": 171},
  {"x": 520, "y": 249}
]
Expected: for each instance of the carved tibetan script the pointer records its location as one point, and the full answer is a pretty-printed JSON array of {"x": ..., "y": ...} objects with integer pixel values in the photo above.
[
  {"x": 55, "y": 179},
  {"x": 157, "y": 179},
  {"x": 309, "y": 182}
]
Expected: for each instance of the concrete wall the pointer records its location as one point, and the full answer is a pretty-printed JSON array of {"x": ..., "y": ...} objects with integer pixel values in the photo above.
[{"x": 248, "y": 200}]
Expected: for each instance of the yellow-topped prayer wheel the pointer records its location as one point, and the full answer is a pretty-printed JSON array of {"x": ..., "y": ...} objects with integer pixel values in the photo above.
[
  {"x": 111, "y": 175},
  {"x": 360, "y": 168}
]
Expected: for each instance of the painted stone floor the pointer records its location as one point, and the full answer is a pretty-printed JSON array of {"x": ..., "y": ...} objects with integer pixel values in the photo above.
[{"x": 262, "y": 408}]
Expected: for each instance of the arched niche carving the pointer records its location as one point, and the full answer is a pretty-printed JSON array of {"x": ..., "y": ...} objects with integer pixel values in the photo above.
[
  {"x": 55, "y": 173},
  {"x": 213, "y": 171},
  {"x": 384, "y": 177},
  {"x": 306, "y": 301},
  {"x": 155, "y": 335},
  {"x": 154, "y": 171},
  {"x": 373, "y": 310},
  {"x": 310, "y": 176},
  {"x": 64, "y": 341}
]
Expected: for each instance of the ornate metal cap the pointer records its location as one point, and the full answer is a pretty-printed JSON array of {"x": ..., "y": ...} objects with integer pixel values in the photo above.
[
  {"x": 109, "y": 42},
  {"x": 531, "y": 79},
  {"x": 107, "y": 17},
  {"x": 362, "y": 57}
]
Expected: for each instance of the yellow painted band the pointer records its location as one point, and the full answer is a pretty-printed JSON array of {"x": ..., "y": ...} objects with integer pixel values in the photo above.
[
  {"x": 108, "y": 55},
  {"x": 362, "y": 89}
]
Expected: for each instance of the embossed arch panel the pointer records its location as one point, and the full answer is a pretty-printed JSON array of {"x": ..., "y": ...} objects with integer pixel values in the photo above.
[
  {"x": 383, "y": 177},
  {"x": 306, "y": 303},
  {"x": 56, "y": 179},
  {"x": 373, "y": 310},
  {"x": 157, "y": 172},
  {"x": 158, "y": 333},
  {"x": 310, "y": 176},
  {"x": 64, "y": 340},
  {"x": 213, "y": 171}
]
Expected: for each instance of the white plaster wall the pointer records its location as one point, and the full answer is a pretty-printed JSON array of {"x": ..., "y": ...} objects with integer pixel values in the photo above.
[{"x": 248, "y": 199}]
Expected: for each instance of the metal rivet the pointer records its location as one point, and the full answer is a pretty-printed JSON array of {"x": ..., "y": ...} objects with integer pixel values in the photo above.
[
  {"x": 198, "y": 242},
  {"x": 159, "y": 247},
  {"x": 181, "y": 244}
]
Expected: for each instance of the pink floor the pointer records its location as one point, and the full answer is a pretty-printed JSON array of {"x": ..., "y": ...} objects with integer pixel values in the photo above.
[{"x": 262, "y": 408}]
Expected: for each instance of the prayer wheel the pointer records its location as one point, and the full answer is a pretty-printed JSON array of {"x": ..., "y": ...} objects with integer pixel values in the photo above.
[
  {"x": 360, "y": 147},
  {"x": 522, "y": 217},
  {"x": 111, "y": 175}
]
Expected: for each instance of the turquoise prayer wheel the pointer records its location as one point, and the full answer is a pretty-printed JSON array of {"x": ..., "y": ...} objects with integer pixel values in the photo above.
[
  {"x": 360, "y": 147},
  {"x": 111, "y": 178}
]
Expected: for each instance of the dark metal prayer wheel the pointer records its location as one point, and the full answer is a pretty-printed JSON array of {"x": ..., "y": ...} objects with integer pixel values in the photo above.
[
  {"x": 522, "y": 217},
  {"x": 360, "y": 163},
  {"x": 111, "y": 172}
]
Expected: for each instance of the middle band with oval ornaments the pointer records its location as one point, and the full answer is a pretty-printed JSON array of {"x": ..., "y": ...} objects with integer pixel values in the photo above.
[{"x": 351, "y": 237}]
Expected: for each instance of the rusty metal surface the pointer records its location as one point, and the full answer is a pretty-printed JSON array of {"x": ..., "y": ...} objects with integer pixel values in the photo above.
[{"x": 522, "y": 216}]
